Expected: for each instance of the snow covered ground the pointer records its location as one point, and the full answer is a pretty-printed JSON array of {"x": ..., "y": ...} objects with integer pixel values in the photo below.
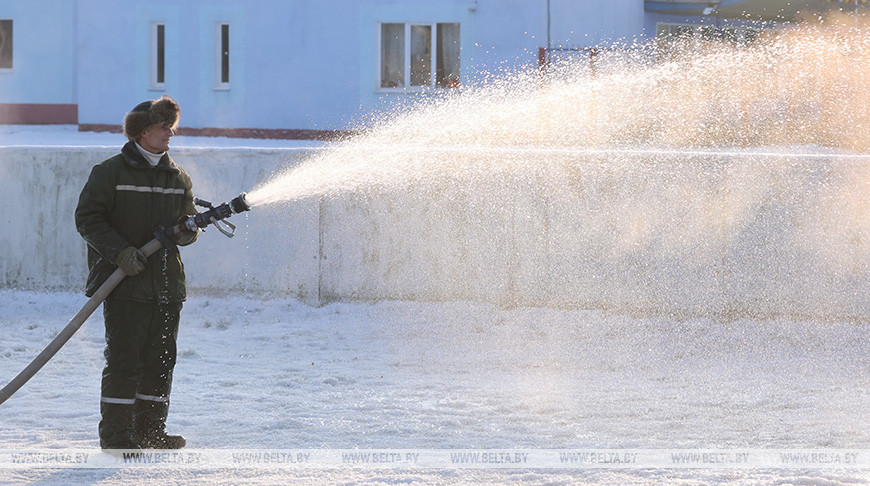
[{"x": 277, "y": 374}]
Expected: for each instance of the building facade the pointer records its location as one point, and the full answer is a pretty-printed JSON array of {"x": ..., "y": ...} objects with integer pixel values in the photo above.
[{"x": 303, "y": 68}]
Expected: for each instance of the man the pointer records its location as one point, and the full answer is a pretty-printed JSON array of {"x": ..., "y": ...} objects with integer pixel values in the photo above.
[{"x": 125, "y": 199}]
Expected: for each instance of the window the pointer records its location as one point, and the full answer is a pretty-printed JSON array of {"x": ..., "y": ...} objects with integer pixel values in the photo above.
[
  {"x": 158, "y": 55},
  {"x": 392, "y": 55},
  {"x": 419, "y": 55},
  {"x": 6, "y": 44},
  {"x": 222, "y": 55},
  {"x": 447, "y": 74}
]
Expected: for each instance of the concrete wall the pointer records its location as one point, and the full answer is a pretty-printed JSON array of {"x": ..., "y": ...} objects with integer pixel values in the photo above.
[
  {"x": 729, "y": 235},
  {"x": 276, "y": 251},
  {"x": 726, "y": 235}
]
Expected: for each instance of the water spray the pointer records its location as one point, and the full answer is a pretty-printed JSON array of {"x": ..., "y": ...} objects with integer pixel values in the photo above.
[{"x": 215, "y": 215}]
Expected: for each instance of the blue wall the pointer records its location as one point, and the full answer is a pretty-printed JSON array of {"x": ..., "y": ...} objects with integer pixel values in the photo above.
[
  {"x": 44, "y": 47},
  {"x": 295, "y": 64},
  {"x": 576, "y": 23}
]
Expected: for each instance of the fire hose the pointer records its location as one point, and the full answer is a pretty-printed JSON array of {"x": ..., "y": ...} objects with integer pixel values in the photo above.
[{"x": 215, "y": 215}]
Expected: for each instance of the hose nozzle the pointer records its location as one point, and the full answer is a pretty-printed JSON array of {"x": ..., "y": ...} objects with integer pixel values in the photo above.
[
  {"x": 216, "y": 214},
  {"x": 240, "y": 203}
]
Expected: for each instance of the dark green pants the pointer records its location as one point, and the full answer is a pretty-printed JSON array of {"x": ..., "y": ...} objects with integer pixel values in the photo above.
[{"x": 140, "y": 356}]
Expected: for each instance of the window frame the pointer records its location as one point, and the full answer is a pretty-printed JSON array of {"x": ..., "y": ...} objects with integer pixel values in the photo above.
[
  {"x": 406, "y": 58},
  {"x": 222, "y": 62},
  {"x": 157, "y": 57}
]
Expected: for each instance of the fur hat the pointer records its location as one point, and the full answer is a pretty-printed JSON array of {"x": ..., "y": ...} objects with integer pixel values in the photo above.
[{"x": 164, "y": 112}]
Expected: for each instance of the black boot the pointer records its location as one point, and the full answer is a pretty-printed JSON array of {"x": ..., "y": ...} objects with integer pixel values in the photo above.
[
  {"x": 150, "y": 426},
  {"x": 116, "y": 426},
  {"x": 161, "y": 440}
]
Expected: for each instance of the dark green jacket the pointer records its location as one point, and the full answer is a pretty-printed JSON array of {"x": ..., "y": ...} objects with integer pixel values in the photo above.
[{"x": 123, "y": 202}]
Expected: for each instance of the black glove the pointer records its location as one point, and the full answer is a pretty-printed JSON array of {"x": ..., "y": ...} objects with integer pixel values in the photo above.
[{"x": 131, "y": 260}]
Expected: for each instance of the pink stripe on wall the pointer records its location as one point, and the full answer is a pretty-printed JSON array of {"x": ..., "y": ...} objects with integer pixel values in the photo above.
[{"x": 38, "y": 114}]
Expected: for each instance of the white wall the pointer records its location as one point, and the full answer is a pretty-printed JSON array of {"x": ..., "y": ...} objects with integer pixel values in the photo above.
[
  {"x": 274, "y": 251},
  {"x": 646, "y": 232},
  {"x": 650, "y": 232}
]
